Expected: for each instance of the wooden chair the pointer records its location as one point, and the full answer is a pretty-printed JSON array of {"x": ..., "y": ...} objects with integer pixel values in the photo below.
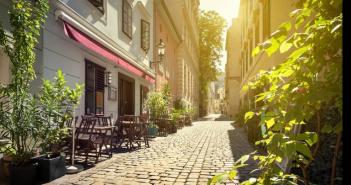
[
  {"x": 89, "y": 141},
  {"x": 105, "y": 121}
]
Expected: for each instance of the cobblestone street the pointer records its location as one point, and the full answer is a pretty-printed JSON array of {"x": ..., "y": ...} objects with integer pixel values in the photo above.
[{"x": 191, "y": 156}]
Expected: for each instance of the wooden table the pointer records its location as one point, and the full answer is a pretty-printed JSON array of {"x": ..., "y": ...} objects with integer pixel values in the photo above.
[{"x": 130, "y": 132}]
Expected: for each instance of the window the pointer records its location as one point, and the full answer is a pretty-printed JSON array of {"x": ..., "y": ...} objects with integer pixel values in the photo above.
[
  {"x": 99, "y": 4},
  {"x": 145, "y": 35},
  {"x": 94, "y": 88},
  {"x": 127, "y": 18}
]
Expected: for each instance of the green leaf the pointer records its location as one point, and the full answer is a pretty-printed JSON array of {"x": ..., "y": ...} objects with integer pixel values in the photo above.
[
  {"x": 295, "y": 12},
  {"x": 286, "y": 25},
  {"x": 242, "y": 159},
  {"x": 270, "y": 123},
  {"x": 336, "y": 28},
  {"x": 233, "y": 174},
  {"x": 310, "y": 137},
  {"x": 297, "y": 53},
  {"x": 256, "y": 51},
  {"x": 303, "y": 149},
  {"x": 273, "y": 47},
  {"x": 327, "y": 128},
  {"x": 285, "y": 46},
  {"x": 249, "y": 115}
]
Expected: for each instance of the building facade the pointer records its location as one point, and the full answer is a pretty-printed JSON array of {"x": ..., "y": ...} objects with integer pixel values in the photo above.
[
  {"x": 104, "y": 44},
  {"x": 233, "y": 69},
  {"x": 176, "y": 24},
  {"x": 256, "y": 21}
]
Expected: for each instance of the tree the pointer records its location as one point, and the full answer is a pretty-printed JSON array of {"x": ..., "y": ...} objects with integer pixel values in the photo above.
[
  {"x": 304, "y": 91},
  {"x": 211, "y": 26}
]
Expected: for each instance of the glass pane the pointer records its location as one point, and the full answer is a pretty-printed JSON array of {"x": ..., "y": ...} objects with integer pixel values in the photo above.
[
  {"x": 99, "y": 102},
  {"x": 89, "y": 102}
]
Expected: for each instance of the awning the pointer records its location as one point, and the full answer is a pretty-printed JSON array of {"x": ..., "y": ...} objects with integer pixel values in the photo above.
[{"x": 93, "y": 45}]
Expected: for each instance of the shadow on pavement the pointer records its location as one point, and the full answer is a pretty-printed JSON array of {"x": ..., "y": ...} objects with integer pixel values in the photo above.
[
  {"x": 239, "y": 147},
  {"x": 222, "y": 118}
]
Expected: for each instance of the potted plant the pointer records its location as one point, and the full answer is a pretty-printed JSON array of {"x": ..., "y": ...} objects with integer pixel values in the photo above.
[
  {"x": 152, "y": 130},
  {"x": 175, "y": 117},
  {"x": 157, "y": 105},
  {"x": 57, "y": 103}
]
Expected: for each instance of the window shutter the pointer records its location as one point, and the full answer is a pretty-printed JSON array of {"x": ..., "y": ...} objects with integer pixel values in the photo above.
[
  {"x": 127, "y": 18},
  {"x": 145, "y": 35},
  {"x": 100, "y": 79}
]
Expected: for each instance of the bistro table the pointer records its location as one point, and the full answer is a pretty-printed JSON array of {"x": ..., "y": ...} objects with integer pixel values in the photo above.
[{"x": 131, "y": 129}]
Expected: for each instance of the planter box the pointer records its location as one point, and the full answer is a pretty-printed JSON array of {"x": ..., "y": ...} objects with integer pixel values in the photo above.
[
  {"x": 51, "y": 168},
  {"x": 173, "y": 129},
  {"x": 152, "y": 131},
  {"x": 23, "y": 174}
]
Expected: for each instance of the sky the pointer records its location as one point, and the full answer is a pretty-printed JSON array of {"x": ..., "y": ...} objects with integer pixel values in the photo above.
[{"x": 229, "y": 9}]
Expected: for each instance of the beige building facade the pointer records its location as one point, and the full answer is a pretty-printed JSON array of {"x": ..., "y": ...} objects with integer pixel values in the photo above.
[
  {"x": 176, "y": 24},
  {"x": 256, "y": 21}
]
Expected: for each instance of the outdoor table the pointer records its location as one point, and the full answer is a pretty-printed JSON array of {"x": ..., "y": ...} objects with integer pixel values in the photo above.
[{"x": 129, "y": 131}]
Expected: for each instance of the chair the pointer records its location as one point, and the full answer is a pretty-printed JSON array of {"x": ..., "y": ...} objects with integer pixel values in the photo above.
[
  {"x": 145, "y": 122},
  {"x": 105, "y": 121},
  {"x": 89, "y": 141}
]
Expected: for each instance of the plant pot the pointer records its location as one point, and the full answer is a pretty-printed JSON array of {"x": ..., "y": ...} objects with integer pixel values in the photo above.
[
  {"x": 51, "y": 168},
  {"x": 173, "y": 129},
  {"x": 5, "y": 162},
  {"x": 152, "y": 131},
  {"x": 23, "y": 174}
]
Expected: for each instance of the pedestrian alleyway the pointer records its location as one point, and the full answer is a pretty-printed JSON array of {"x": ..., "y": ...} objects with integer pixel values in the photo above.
[{"x": 191, "y": 156}]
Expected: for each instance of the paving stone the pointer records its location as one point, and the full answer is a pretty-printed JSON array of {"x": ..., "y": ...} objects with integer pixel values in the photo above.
[{"x": 191, "y": 156}]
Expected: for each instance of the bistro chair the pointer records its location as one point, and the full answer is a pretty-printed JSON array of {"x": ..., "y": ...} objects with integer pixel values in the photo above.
[{"x": 89, "y": 141}]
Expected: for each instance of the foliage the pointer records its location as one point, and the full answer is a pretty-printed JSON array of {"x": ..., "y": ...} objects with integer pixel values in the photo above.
[
  {"x": 231, "y": 175},
  {"x": 166, "y": 91},
  {"x": 57, "y": 104},
  {"x": 157, "y": 104},
  {"x": 28, "y": 120},
  {"x": 211, "y": 26},
  {"x": 296, "y": 91},
  {"x": 175, "y": 115},
  {"x": 180, "y": 104}
]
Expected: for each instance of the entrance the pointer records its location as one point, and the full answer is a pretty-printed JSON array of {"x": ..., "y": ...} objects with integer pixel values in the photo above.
[{"x": 125, "y": 95}]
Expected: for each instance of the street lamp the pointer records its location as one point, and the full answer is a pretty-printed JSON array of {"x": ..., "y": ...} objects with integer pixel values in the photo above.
[{"x": 161, "y": 47}]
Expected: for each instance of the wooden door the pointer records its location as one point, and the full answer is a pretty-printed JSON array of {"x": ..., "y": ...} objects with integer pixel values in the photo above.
[{"x": 125, "y": 95}]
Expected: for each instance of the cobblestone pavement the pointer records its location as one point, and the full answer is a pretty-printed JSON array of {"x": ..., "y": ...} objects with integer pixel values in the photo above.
[{"x": 191, "y": 156}]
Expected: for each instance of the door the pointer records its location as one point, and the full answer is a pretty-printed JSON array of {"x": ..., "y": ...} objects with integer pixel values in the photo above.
[{"x": 125, "y": 95}]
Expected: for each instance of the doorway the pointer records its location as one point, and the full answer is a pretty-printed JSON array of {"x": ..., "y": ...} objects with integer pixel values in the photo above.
[{"x": 126, "y": 95}]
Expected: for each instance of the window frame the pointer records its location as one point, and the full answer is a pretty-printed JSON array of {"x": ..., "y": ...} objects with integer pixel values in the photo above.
[
  {"x": 127, "y": 27},
  {"x": 142, "y": 35},
  {"x": 101, "y": 8},
  {"x": 95, "y": 87}
]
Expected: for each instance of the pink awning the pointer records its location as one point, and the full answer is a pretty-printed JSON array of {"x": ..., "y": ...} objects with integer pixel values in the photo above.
[{"x": 95, "y": 46}]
